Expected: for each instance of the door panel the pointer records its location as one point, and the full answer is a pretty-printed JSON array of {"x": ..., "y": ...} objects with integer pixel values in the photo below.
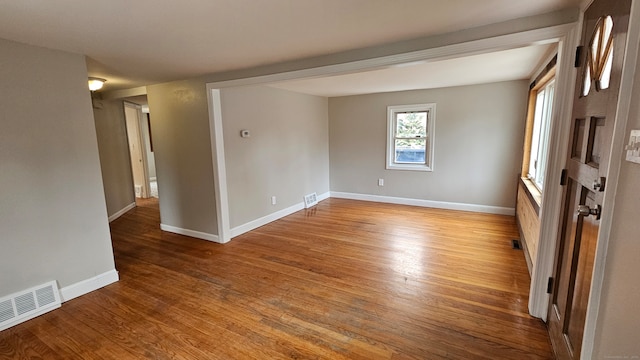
[
  {"x": 586, "y": 253},
  {"x": 594, "y": 108}
]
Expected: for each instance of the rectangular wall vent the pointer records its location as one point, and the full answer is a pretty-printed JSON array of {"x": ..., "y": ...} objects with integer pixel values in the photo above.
[
  {"x": 27, "y": 304},
  {"x": 310, "y": 200}
]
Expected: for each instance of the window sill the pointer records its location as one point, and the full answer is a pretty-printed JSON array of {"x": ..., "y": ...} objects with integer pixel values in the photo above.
[
  {"x": 409, "y": 167},
  {"x": 534, "y": 195}
]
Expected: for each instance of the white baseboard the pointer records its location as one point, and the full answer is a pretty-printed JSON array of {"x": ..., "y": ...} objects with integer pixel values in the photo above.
[
  {"x": 239, "y": 230},
  {"x": 122, "y": 211},
  {"x": 254, "y": 224},
  {"x": 86, "y": 286},
  {"x": 192, "y": 233},
  {"x": 324, "y": 196},
  {"x": 426, "y": 203}
]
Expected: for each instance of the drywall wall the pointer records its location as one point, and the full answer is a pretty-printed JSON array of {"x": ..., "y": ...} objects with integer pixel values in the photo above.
[
  {"x": 53, "y": 218},
  {"x": 618, "y": 319},
  {"x": 286, "y": 155},
  {"x": 478, "y": 144},
  {"x": 182, "y": 147},
  {"x": 114, "y": 154},
  {"x": 146, "y": 136}
]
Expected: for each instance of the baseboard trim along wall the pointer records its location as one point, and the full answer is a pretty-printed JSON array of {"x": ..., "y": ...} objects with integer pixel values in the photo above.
[
  {"x": 86, "y": 286},
  {"x": 254, "y": 224},
  {"x": 426, "y": 203},
  {"x": 192, "y": 233},
  {"x": 122, "y": 211}
]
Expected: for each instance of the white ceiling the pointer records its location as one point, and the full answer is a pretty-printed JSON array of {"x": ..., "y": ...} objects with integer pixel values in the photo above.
[
  {"x": 133, "y": 43},
  {"x": 514, "y": 64}
]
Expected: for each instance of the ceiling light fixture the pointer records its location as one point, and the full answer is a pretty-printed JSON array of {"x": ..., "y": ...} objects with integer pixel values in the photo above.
[{"x": 96, "y": 83}]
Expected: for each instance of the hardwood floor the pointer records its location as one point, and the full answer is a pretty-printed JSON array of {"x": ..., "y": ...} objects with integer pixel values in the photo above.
[{"x": 344, "y": 280}]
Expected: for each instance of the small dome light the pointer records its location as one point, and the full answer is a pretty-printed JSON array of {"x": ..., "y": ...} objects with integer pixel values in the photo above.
[{"x": 96, "y": 83}]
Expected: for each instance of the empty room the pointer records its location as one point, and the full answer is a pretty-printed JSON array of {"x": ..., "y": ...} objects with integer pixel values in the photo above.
[{"x": 319, "y": 179}]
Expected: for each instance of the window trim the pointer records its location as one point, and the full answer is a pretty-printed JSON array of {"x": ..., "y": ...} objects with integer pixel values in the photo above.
[
  {"x": 547, "y": 75},
  {"x": 538, "y": 175},
  {"x": 430, "y": 109}
]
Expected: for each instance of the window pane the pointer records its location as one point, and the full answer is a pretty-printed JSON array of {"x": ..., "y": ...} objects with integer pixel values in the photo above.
[
  {"x": 543, "y": 147},
  {"x": 541, "y": 131},
  {"x": 535, "y": 137},
  {"x": 411, "y": 124},
  {"x": 586, "y": 85},
  {"x": 606, "y": 73},
  {"x": 410, "y": 151}
]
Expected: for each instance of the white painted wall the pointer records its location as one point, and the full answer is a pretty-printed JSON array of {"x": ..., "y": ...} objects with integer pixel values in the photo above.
[
  {"x": 478, "y": 144},
  {"x": 286, "y": 156},
  {"x": 53, "y": 218},
  {"x": 114, "y": 155},
  {"x": 182, "y": 149}
]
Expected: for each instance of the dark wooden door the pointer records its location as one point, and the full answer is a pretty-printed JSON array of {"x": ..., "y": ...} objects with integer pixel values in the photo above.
[{"x": 594, "y": 108}]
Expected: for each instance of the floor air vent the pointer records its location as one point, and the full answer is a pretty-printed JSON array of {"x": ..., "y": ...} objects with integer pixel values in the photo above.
[
  {"x": 310, "y": 200},
  {"x": 27, "y": 304}
]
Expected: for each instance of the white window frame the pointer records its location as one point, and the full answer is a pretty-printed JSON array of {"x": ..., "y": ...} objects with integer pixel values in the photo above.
[{"x": 430, "y": 109}]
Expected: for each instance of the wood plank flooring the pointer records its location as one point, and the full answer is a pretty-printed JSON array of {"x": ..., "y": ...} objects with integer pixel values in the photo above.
[{"x": 344, "y": 280}]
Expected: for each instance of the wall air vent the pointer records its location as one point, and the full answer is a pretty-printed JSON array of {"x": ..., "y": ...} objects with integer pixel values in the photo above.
[
  {"x": 27, "y": 304},
  {"x": 310, "y": 200}
]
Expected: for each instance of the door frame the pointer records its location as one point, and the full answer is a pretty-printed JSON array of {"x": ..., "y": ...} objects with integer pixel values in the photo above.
[
  {"x": 144, "y": 145},
  {"x": 550, "y": 213}
]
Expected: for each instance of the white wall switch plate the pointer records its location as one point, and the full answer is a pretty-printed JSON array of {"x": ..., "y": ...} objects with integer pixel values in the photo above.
[
  {"x": 633, "y": 147},
  {"x": 380, "y": 182}
]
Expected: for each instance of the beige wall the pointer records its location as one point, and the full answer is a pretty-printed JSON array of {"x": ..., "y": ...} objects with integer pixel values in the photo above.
[
  {"x": 618, "y": 319},
  {"x": 114, "y": 154},
  {"x": 182, "y": 147},
  {"x": 53, "y": 218},
  {"x": 478, "y": 144},
  {"x": 151, "y": 160},
  {"x": 286, "y": 155}
]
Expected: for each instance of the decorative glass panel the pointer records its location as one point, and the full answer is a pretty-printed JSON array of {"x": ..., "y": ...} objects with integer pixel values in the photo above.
[
  {"x": 599, "y": 57},
  {"x": 586, "y": 86}
]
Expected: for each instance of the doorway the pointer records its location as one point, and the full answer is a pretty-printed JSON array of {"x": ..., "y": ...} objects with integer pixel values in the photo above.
[{"x": 140, "y": 143}]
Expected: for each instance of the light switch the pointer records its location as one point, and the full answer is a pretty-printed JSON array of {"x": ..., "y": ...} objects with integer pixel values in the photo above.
[
  {"x": 245, "y": 133},
  {"x": 633, "y": 147}
]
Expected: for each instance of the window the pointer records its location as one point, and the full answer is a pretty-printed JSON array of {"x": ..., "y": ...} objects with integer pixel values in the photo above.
[
  {"x": 538, "y": 128},
  {"x": 599, "y": 57},
  {"x": 540, "y": 133},
  {"x": 410, "y": 133}
]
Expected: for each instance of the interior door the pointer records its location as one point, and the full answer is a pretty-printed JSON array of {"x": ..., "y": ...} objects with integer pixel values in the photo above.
[
  {"x": 136, "y": 150},
  {"x": 594, "y": 108}
]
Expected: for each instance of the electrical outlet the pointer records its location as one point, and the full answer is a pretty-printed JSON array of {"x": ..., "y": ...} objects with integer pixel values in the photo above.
[
  {"x": 380, "y": 182},
  {"x": 273, "y": 200}
]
